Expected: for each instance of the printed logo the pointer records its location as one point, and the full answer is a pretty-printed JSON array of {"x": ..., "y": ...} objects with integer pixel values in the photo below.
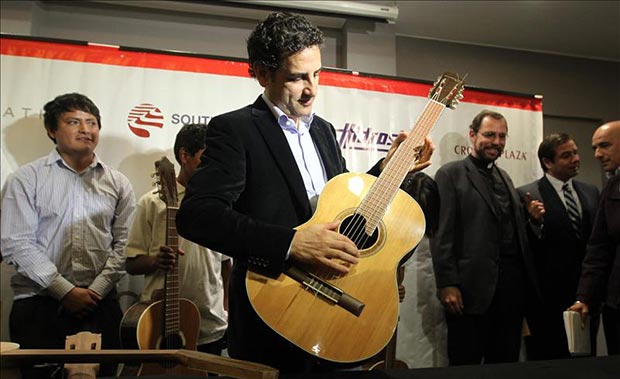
[
  {"x": 144, "y": 116},
  {"x": 356, "y": 137}
]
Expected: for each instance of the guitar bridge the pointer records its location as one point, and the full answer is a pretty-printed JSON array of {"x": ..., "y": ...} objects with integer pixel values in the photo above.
[{"x": 326, "y": 290}]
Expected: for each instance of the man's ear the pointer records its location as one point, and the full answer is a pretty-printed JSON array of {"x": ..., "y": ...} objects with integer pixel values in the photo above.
[
  {"x": 182, "y": 156},
  {"x": 263, "y": 75},
  {"x": 51, "y": 134},
  {"x": 547, "y": 162},
  {"x": 472, "y": 134}
]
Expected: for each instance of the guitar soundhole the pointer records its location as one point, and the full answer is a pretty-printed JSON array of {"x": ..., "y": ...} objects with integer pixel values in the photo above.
[{"x": 354, "y": 227}]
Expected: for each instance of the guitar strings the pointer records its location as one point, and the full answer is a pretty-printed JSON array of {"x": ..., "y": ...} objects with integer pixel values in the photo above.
[
  {"x": 371, "y": 213},
  {"x": 356, "y": 230}
]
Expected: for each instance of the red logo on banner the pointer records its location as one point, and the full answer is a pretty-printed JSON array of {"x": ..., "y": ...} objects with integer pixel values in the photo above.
[{"x": 144, "y": 116}]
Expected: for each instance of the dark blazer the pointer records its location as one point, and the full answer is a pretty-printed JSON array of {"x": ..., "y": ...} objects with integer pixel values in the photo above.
[
  {"x": 558, "y": 253},
  {"x": 600, "y": 277},
  {"x": 244, "y": 201},
  {"x": 466, "y": 251}
]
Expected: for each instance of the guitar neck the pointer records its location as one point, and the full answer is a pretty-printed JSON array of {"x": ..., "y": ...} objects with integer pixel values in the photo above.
[
  {"x": 171, "y": 286},
  {"x": 382, "y": 192}
]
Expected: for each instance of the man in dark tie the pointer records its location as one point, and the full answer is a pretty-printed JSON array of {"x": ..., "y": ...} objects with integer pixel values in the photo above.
[
  {"x": 483, "y": 268},
  {"x": 561, "y": 213}
]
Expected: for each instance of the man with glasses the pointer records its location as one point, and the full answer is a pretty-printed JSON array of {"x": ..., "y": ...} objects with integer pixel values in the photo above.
[{"x": 483, "y": 268}]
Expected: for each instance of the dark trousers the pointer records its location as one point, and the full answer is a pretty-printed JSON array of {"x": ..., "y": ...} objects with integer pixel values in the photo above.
[
  {"x": 39, "y": 322},
  {"x": 494, "y": 336},
  {"x": 214, "y": 347},
  {"x": 611, "y": 324}
]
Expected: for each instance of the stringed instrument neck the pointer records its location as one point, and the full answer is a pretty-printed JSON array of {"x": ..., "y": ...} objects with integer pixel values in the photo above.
[
  {"x": 172, "y": 289},
  {"x": 382, "y": 192}
]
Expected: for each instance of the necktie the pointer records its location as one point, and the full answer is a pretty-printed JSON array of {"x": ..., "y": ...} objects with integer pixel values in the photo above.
[{"x": 571, "y": 209}]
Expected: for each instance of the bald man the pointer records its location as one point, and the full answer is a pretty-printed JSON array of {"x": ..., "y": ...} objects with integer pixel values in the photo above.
[
  {"x": 600, "y": 273},
  {"x": 606, "y": 146}
]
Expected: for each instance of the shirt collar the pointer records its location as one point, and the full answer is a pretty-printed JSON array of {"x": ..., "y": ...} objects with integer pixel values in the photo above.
[
  {"x": 557, "y": 183},
  {"x": 285, "y": 121},
  {"x": 481, "y": 164},
  {"x": 55, "y": 157}
]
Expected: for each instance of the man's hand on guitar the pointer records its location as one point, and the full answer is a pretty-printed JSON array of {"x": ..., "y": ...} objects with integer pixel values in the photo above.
[
  {"x": 167, "y": 257},
  {"x": 80, "y": 302},
  {"x": 424, "y": 158},
  {"x": 320, "y": 245},
  {"x": 451, "y": 299}
]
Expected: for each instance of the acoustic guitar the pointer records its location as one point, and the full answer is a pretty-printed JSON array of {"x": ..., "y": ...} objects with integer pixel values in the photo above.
[
  {"x": 350, "y": 318},
  {"x": 171, "y": 323}
]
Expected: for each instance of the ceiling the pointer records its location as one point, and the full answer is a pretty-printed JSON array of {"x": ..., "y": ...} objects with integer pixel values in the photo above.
[{"x": 589, "y": 29}]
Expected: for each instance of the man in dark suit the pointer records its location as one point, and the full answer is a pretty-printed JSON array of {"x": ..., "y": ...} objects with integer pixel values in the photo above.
[
  {"x": 262, "y": 171},
  {"x": 483, "y": 268},
  {"x": 600, "y": 273},
  {"x": 561, "y": 213}
]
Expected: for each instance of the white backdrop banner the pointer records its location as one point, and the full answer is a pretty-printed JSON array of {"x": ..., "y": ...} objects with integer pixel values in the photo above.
[{"x": 145, "y": 98}]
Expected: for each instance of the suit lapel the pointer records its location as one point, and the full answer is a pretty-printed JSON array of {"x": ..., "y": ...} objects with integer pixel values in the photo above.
[
  {"x": 552, "y": 200},
  {"x": 322, "y": 143},
  {"x": 584, "y": 201},
  {"x": 554, "y": 204},
  {"x": 480, "y": 185},
  {"x": 278, "y": 145}
]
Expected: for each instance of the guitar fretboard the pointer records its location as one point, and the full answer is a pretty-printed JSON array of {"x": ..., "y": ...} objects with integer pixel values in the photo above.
[
  {"x": 171, "y": 295},
  {"x": 383, "y": 190}
]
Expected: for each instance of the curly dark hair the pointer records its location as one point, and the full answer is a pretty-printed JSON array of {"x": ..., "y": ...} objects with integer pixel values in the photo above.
[
  {"x": 191, "y": 137},
  {"x": 477, "y": 121},
  {"x": 67, "y": 103},
  {"x": 549, "y": 144},
  {"x": 279, "y": 36}
]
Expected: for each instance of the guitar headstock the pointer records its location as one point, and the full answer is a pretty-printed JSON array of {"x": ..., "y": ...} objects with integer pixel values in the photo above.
[
  {"x": 166, "y": 182},
  {"x": 448, "y": 89}
]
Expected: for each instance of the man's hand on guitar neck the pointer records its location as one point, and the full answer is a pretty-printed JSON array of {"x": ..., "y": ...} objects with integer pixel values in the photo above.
[
  {"x": 320, "y": 245},
  {"x": 424, "y": 158},
  {"x": 148, "y": 264}
]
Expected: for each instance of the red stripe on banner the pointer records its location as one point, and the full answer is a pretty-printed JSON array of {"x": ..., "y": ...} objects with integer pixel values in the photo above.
[{"x": 112, "y": 55}]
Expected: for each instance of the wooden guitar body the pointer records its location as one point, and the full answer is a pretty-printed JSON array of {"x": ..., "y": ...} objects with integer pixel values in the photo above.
[
  {"x": 142, "y": 327},
  {"x": 330, "y": 328}
]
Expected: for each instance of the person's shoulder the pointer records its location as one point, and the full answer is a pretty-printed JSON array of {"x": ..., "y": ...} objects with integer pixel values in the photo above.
[
  {"x": 244, "y": 111},
  {"x": 613, "y": 185},
  {"x": 30, "y": 169},
  {"x": 585, "y": 186},
  {"x": 453, "y": 165},
  {"x": 150, "y": 197},
  {"x": 528, "y": 187}
]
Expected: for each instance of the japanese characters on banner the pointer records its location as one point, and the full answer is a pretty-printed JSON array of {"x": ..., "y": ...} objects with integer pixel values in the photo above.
[{"x": 145, "y": 97}]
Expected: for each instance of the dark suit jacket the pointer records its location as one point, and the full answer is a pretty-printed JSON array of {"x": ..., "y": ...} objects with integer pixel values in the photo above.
[
  {"x": 466, "y": 250},
  {"x": 600, "y": 277},
  {"x": 558, "y": 253},
  {"x": 244, "y": 201}
]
